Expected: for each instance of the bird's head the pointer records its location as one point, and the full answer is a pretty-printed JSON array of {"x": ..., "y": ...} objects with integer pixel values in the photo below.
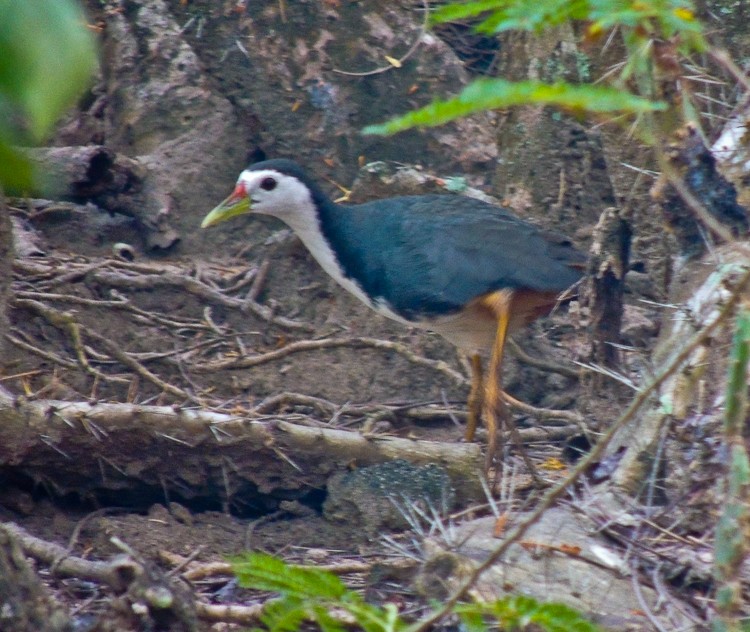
[{"x": 275, "y": 187}]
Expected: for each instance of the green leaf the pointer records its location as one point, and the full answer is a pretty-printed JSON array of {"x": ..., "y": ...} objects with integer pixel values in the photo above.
[
  {"x": 455, "y": 11},
  {"x": 284, "y": 615},
  {"x": 16, "y": 175},
  {"x": 265, "y": 572},
  {"x": 473, "y": 621},
  {"x": 321, "y": 615},
  {"x": 488, "y": 94},
  {"x": 374, "y": 618},
  {"x": 657, "y": 18},
  {"x": 520, "y": 611},
  {"x": 523, "y": 15},
  {"x": 47, "y": 57},
  {"x": 505, "y": 15},
  {"x": 309, "y": 594},
  {"x": 736, "y": 395}
]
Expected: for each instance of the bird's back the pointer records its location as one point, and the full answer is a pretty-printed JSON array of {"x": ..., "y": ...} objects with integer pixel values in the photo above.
[{"x": 430, "y": 255}]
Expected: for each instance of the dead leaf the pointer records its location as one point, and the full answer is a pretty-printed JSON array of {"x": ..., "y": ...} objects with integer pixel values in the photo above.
[{"x": 500, "y": 524}]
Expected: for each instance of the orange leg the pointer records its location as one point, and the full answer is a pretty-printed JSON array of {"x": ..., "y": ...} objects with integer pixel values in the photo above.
[
  {"x": 475, "y": 396},
  {"x": 493, "y": 408}
]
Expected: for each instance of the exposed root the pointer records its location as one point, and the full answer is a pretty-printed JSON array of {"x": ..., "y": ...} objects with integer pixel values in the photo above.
[{"x": 334, "y": 343}]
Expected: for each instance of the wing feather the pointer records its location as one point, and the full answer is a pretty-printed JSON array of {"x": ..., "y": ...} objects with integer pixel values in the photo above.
[{"x": 430, "y": 255}]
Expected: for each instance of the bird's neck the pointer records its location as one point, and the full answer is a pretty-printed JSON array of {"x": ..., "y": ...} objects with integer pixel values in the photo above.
[
  {"x": 309, "y": 216},
  {"x": 312, "y": 222}
]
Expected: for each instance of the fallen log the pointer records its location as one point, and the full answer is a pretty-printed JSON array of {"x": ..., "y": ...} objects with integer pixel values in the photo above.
[{"x": 96, "y": 449}]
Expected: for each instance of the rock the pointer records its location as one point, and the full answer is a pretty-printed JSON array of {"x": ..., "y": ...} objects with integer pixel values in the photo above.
[
  {"x": 557, "y": 560},
  {"x": 385, "y": 496}
]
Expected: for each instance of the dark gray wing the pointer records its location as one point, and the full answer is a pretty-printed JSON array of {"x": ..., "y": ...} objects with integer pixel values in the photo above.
[{"x": 430, "y": 255}]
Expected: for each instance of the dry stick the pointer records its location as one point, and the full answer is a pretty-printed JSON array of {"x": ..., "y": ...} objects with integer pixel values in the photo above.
[
  {"x": 332, "y": 343},
  {"x": 47, "y": 355},
  {"x": 18, "y": 376},
  {"x": 76, "y": 274},
  {"x": 243, "y": 615},
  {"x": 246, "y": 304},
  {"x": 120, "y": 303},
  {"x": 117, "y": 573},
  {"x": 721, "y": 57},
  {"x": 71, "y": 298},
  {"x": 63, "y": 319},
  {"x": 596, "y": 453},
  {"x": 273, "y": 402},
  {"x": 138, "y": 368},
  {"x": 543, "y": 413},
  {"x": 248, "y": 276},
  {"x": 223, "y": 569},
  {"x": 197, "y": 288},
  {"x": 169, "y": 355},
  {"x": 645, "y": 607},
  {"x": 403, "y": 58},
  {"x": 65, "y": 564},
  {"x": 269, "y": 404},
  {"x": 259, "y": 281},
  {"x": 528, "y": 435},
  {"x": 541, "y": 364},
  {"x": 186, "y": 560}
]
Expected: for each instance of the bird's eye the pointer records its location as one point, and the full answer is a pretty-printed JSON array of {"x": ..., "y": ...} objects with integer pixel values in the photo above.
[{"x": 268, "y": 184}]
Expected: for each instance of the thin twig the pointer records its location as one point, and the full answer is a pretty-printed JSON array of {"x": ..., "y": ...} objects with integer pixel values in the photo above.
[
  {"x": 538, "y": 363},
  {"x": 47, "y": 355},
  {"x": 400, "y": 60},
  {"x": 543, "y": 413},
  {"x": 334, "y": 343},
  {"x": 141, "y": 370},
  {"x": 120, "y": 303},
  {"x": 721, "y": 57},
  {"x": 283, "y": 399},
  {"x": 197, "y": 288}
]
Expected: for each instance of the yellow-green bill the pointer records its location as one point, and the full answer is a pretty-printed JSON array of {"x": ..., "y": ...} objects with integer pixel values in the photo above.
[{"x": 236, "y": 204}]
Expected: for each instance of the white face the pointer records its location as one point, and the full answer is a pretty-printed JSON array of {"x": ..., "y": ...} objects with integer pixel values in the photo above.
[
  {"x": 273, "y": 193},
  {"x": 285, "y": 197}
]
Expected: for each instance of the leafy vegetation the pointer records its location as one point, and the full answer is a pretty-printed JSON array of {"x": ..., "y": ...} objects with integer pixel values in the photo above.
[
  {"x": 517, "y": 612},
  {"x": 655, "y": 33},
  {"x": 309, "y": 594},
  {"x": 660, "y": 18},
  {"x": 47, "y": 57},
  {"x": 488, "y": 94}
]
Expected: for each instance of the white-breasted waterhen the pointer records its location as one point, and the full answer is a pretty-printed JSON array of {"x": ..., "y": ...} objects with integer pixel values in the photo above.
[{"x": 468, "y": 270}]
